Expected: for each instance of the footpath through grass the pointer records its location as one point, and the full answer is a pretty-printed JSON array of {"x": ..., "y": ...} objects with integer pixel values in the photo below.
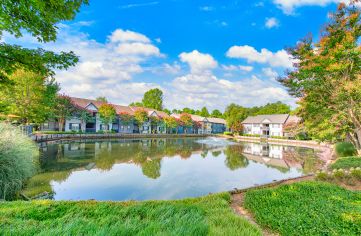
[
  {"x": 307, "y": 208},
  {"x": 346, "y": 163},
  {"x": 210, "y": 215}
]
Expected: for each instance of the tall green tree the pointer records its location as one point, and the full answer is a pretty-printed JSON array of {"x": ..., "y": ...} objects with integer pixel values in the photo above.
[
  {"x": 107, "y": 114},
  {"x": 102, "y": 99},
  {"x": 204, "y": 112},
  {"x": 216, "y": 113},
  {"x": 153, "y": 99},
  {"x": 29, "y": 96},
  {"x": 140, "y": 117},
  {"x": 63, "y": 109},
  {"x": 327, "y": 78},
  {"x": 235, "y": 114},
  {"x": 273, "y": 108},
  {"x": 38, "y": 18},
  {"x": 170, "y": 123}
]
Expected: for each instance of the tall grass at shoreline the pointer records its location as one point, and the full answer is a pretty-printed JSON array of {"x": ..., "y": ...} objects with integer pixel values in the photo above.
[{"x": 18, "y": 159}]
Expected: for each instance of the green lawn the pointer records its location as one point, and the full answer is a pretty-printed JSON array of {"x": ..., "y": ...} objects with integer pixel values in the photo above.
[
  {"x": 307, "y": 208},
  {"x": 346, "y": 163},
  {"x": 210, "y": 215}
]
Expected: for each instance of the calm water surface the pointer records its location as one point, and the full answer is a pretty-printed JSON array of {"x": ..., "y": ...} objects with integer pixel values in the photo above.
[{"x": 162, "y": 168}]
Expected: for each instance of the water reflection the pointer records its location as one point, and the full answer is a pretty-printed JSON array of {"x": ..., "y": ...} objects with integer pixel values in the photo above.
[{"x": 170, "y": 168}]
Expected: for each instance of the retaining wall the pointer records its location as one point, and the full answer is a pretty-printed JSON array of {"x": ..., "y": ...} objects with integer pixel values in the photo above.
[
  {"x": 55, "y": 137},
  {"x": 301, "y": 143}
]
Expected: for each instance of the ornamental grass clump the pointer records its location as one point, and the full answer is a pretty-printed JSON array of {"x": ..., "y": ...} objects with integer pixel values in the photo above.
[
  {"x": 18, "y": 158},
  {"x": 356, "y": 173}
]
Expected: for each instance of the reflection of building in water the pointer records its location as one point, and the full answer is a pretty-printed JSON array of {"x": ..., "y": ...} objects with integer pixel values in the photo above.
[
  {"x": 269, "y": 154},
  {"x": 264, "y": 150}
]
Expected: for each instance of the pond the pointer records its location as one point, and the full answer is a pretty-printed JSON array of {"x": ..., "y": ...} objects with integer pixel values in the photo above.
[{"x": 143, "y": 169}]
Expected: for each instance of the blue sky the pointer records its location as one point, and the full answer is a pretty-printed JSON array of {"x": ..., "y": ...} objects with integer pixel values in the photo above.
[{"x": 200, "y": 53}]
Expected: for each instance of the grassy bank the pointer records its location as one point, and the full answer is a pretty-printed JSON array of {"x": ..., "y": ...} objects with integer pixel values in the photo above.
[
  {"x": 307, "y": 208},
  {"x": 346, "y": 163},
  {"x": 210, "y": 215}
]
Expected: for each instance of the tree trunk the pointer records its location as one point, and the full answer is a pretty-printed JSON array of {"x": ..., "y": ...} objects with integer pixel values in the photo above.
[
  {"x": 356, "y": 135},
  {"x": 61, "y": 124}
]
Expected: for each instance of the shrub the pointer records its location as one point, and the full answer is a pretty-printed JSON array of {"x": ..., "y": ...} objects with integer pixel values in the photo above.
[
  {"x": 228, "y": 133},
  {"x": 18, "y": 156},
  {"x": 302, "y": 136},
  {"x": 346, "y": 163},
  {"x": 323, "y": 176},
  {"x": 345, "y": 149},
  {"x": 339, "y": 174},
  {"x": 356, "y": 173}
]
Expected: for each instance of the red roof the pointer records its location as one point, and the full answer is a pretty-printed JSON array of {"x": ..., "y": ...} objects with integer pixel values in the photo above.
[{"x": 82, "y": 102}]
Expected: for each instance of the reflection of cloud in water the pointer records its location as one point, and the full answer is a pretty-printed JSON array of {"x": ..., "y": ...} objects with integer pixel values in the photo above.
[{"x": 161, "y": 168}]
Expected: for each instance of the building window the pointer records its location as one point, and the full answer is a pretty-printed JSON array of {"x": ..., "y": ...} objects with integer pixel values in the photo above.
[
  {"x": 129, "y": 127},
  {"x": 276, "y": 125},
  {"x": 122, "y": 127},
  {"x": 46, "y": 126},
  {"x": 74, "y": 126}
]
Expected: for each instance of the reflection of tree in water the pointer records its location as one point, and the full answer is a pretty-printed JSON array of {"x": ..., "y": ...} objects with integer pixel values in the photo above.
[
  {"x": 304, "y": 157},
  {"x": 216, "y": 153},
  {"x": 60, "y": 160},
  {"x": 234, "y": 158},
  {"x": 151, "y": 168}
]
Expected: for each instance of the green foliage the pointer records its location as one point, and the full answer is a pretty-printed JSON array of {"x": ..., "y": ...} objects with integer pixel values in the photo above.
[
  {"x": 326, "y": 78},
  {"x": 107, "y": 113},
  {"x": 18, "y": 157},
  {"x": 228, "y": 133},
  {"x": 40, "y": 19},
  {"x": 136, "y": 104},
  {"x": 167, "y": 111},
  {"x": 102, "y": 99},
  {"x": 235, "y": 114},
  {"x": 29, "y": 96},
  {"x": 273, "y": 108},
  {"x": 356, "y": 173},
  {"x": 64, "y": 109},
  {"x": 234, "y": 158},
  {"x": 346, "y": 163},
  {"x": 210, "y": 215},
  {"x": 141, "y": 116},
  {"x": 204, "y": 112},
  {"x": 126, "y": 118},
  {"x": 153, "y": 99},
  {"x": 306, "y": 208},
  {"x": 216, "y": 113},
  {"x": 171, "y": 122},
  {"x": 186, "y": 120},
  {"x": 345, "y": 149}
]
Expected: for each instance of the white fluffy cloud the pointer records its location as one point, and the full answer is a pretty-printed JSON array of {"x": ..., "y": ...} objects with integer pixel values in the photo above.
[
  {"x": 196, "y": 91},
  {"x": 120, "y": 35},
  {"x": 288, "y": 6},
  {"x": 198, "y": 62},
  {"x": 105, "y": 69},
  {"x": 272, "y": 23},
  {"x": 109, "y": 69},
  {"x": 275, "y": 59},
  {"x": 237, "y": 68}
]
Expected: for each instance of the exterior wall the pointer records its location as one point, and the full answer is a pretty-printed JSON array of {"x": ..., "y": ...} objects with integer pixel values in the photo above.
[
  {"x": 126, "y": 128},
  {"x": 74, "y": 121},
  {"x": 218, "y": 128},
  {"x": 49, "y": 126},
  {"x": 276, "y": 130},
  {"x": 256, "y": 129}
]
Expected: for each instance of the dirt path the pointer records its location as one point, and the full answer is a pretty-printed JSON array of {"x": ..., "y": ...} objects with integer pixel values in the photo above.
[{"x": 238, "y": 199}]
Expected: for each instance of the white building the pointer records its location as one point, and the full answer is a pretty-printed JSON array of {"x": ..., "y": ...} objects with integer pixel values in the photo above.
[{"x": 268, "y": 125}]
